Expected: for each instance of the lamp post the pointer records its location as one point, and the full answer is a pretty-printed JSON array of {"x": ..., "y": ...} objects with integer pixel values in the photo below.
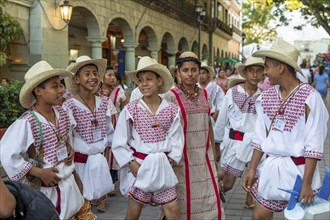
[
  {"x": 66, "y": 11},
  {"x": 200, "y": 17},
  {"x": 243, "y": 39}
]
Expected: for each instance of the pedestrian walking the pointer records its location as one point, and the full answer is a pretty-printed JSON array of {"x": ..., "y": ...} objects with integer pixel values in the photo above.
[
  {"x": 215, "y": 92},
  {"x": 235, "y": 126},
  {"x": 198, "y": 192},
  {"x": 321, "y": 83},
  {"x": 35, "y": 148},
  {"x": 148, "y": 139},
  {"x": 91, "y": 118},
  {"x": 291, "y": 128}
]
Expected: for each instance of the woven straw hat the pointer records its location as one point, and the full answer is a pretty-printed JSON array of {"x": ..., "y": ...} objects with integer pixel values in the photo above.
[
  {"x": 235, "y": 81},
  {"x": 251, "y": 61},
  {"x": 80, "y": 62},
  {"x": 148, "y": 64},
  {"x": 172, "y": 70},
  {"x": 209, "y": 69},
  {"x": 282, "y": 51},
  {"x": 37, "y": 74}
]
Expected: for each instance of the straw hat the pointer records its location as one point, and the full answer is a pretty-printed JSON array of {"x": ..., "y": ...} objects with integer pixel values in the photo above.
[
  {"x": 282, "y": 51},
  {"x": 209, "y": 69},
  {"x": 37, "y": 74},
  {"x": 251, "y": 61},
  {"x": 80, "y": 62},
  {"x": 148, "y": 64},
  {"x": 235, "y": 81},
  {"x": 172, "y": 70}
]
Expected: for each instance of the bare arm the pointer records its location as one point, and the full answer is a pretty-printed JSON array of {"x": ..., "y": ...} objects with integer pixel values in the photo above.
[
  {"x": 306, "y": 192},
  {"x": 7, "y": 201},
  {"x": 248, "y": 180},
  {"x": 216, "y": 150}
]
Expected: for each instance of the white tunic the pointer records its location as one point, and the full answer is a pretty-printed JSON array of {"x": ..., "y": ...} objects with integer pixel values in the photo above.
[
  {"x": 237, "y": 112},
  {"x": 138, "y": 129},
  {"x": 91, "y": 140},
  {"x": 13, "y": 151},
  {"x": 297, "y": 138},
  {"x": 216, "y": 95}
]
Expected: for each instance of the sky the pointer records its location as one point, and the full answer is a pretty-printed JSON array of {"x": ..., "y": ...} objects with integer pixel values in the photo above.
[{"x": 308, "y": 32}]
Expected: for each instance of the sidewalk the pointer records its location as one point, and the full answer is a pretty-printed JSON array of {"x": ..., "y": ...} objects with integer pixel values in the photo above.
[{"x": 234, "y": 206}]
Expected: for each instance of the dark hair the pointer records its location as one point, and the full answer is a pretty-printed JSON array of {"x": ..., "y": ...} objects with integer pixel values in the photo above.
[
  {"x": 7, "y": 80},
  {"x": 118, "y": 77},
  {"x": 109, "y": 68},
  {"x": 321, "y": 70},
  {"x": 180, "y": 61},
  {"x": 289, "y": 68}
]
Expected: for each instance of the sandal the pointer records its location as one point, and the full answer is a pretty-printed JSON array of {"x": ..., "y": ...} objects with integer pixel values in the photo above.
[
  {"x": 101, "y": 209},
  {"x": 249, "y": 206}
]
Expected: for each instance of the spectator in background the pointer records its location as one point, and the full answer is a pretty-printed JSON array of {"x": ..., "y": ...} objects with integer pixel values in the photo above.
[
  {"x": 4, "y": 82},
  {"x": 321, "y": 83},
  {"x": 305, "y": 70}
]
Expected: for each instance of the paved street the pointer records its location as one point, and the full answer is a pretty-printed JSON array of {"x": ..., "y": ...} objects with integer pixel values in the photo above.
[{"x": 234, "y": 206}]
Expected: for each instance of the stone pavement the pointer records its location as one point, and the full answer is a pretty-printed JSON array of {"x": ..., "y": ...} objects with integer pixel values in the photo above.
[{"x": 234, "y": 206}]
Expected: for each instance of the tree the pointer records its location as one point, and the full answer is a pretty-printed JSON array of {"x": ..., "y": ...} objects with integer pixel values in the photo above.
[
  {"x": 315, "y": 12},
  {"x": 258, "y": 23},
  {"x": 9, "y": 31}
]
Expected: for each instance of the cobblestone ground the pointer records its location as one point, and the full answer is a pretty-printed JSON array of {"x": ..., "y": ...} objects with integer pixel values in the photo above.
[{"x": 234, "y": 206}]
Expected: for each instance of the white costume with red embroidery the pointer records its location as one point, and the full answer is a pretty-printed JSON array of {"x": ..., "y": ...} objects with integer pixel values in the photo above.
[
  {"x": 92, "y": 132},
  {"x": 215, "y": 94},
  {"x": 137, "y": 129},
  {"x": 296, "y": 137},
  {"x": 33, "y": 129},
  {"x": 238, "y": 112}
]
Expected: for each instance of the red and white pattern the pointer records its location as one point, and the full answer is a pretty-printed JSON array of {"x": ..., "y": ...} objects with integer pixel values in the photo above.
[
  {"x": 232, "y": 171},
  {"x": 245, "y": 103},
  {"x": 85, "y": 119},
  {"x": 146, "y": 126},
  {"x": 24, "y": 171},
  {"x": 50, "y": 143},
  {"x": 157, "y": 198},
  {"x": 295, "y": 106}
]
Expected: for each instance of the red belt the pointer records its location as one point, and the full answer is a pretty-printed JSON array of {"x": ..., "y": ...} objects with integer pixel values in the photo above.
[
  {"x": 236, "y": 135},
  {"x": 139, "y": 155},
  {"x": 58, "y": 205},
  {"x": 296, "y": 160},
  {"x": 80, "y": 158}
]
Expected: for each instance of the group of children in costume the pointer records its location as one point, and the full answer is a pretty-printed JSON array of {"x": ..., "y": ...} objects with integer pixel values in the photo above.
[{"x": 168, "y": 147}]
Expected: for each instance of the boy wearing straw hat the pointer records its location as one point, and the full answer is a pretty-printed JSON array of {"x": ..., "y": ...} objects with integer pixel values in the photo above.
[
  {"x": 291, "y": 128},
  {"x": 35, "y": 147},
  {"x": 91, "y": 117},
  {"x": 148, "y": 139},
  {"x": 216, "y": 94},
  {"x": 234, "y": 128}
]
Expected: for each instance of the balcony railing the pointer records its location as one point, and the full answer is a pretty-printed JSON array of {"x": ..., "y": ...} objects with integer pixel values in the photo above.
[
  {"x": 237, "y": 31},
  {"x": 185, "y": 11}
]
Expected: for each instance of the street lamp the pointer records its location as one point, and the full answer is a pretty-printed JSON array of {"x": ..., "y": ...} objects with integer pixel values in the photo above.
[
  {"x": 243, "y": 39},
  {"x": 66, "y": 11},
  {"x": 200, "y": 17}
]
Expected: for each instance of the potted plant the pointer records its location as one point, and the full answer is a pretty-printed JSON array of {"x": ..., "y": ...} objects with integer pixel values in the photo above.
[{"x": 10, "y": 107}]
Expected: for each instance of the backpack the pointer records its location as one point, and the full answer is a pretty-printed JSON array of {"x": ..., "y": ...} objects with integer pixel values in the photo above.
[{"x": 30, "y": 203}]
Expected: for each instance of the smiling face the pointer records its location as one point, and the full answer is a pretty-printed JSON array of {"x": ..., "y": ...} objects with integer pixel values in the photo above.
[
  {"x": 50, "y": 91},
  {"x": 272, "y": 71},
  {"x": 87, "y": 78},
  {"x": 189, "y": 73},
  {"x": 149, "y": 83}
]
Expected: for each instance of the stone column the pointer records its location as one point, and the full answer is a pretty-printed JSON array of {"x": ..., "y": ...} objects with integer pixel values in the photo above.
[
  {"x": 154, "y": 53},
  {"x": 171, "y": 58},
  {"x": 96, "y": 47},
  {"x": 130, "y": 61}
]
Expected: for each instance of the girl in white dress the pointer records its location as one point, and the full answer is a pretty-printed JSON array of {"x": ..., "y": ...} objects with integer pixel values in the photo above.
[{"x": 147, "y": 140}]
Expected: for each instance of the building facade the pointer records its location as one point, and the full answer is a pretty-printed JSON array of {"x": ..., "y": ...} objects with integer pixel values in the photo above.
[{"x": 121, "y": 32}]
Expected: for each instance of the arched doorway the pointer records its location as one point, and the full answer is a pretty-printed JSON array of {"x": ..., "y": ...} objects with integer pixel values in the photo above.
[
  {"x": 194, "y": 47},
  {"x": 168, "y": 50}
]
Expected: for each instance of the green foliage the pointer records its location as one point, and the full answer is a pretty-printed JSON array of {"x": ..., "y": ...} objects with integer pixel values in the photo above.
[
  {"x": 9, "y": 103},
  {"x": 10, "y": 30},
  {"x": 258, "y": 22}
]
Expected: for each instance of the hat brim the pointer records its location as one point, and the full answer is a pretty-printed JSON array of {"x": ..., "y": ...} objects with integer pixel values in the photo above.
[
  {"x": 235, "y": 81},
  {"x": 278, "y": 56},
  {"x": 26, "y": 98},
  {"x": 161, "y": 70},
  {"x": 74, "y": 67},
  {"x": 241, "y": 67}
]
